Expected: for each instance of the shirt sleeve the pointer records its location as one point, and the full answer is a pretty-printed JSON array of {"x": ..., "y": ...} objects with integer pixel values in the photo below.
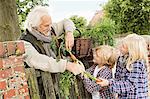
[
  {"x": 65, "y": 25},
  {"x": 124, "y": 86},
  {"x": 69, "y": 25},
  {"x": 39, "y": 61},
  {"x": 92, "y": 86}
]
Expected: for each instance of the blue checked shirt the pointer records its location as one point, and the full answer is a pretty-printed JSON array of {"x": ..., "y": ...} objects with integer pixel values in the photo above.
[
  {"x": 91, "y": 86},
  {"x": 130, "y": 84}
]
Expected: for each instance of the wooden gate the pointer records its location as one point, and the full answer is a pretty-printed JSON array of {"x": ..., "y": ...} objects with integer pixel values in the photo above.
[{"x": 45, "y": 85}]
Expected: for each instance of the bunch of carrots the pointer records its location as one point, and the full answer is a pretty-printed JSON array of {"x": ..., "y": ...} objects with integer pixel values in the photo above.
[{"x": 86, "y": 74}]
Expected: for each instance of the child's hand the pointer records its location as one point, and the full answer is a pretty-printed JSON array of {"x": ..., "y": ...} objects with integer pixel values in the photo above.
[{"x": 102, "y": 82}]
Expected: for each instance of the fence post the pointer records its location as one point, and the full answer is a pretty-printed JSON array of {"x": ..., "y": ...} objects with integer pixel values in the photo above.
[
  {"x": 32, "y": 83},
  {"x": 48, "y": 85}
]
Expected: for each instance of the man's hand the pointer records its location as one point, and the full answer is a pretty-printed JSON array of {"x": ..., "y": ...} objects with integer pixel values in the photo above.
[
  {"x": 75, "y": 68},
  {"x": 102, "y": 82},
  {"x": 69, "y": 40}
]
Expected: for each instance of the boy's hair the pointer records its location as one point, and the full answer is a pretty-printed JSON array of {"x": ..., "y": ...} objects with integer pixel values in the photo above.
[
  {"x": 107, "y": 55},
  {"x": 137, "y": 49}
]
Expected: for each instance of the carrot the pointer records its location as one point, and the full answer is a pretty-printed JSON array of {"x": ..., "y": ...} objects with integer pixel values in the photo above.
[
  {"x": 98, "y": 80},
  {"x": 77, "y": 61},
  {"x": 72, "y": 56}
]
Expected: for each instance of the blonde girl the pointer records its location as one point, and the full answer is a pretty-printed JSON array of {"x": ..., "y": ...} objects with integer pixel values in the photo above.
[
  {"x": 104, "y": 57},
  {"x": 147, "y": 39},
  {"x": 131, "y": 81}
]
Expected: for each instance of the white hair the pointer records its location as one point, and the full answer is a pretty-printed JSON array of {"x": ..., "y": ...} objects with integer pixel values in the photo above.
[{"x": 34, "y": 17}]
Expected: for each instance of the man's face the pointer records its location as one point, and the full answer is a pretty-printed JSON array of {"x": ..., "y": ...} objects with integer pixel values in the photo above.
[{"x": 45, "y": 25}]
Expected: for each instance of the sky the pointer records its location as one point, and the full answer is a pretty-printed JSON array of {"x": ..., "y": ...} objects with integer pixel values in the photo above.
[{"x": 61, "y": 9}]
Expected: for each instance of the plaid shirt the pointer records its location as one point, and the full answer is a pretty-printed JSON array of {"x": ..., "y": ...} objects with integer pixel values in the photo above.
[
  {"x": 91, "y": 86},
  {"x": 130, "y": 84}
]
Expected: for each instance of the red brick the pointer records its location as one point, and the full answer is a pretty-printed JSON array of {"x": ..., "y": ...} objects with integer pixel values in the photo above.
[
  {"x": 23, "y": 89},
  {"x": 11, "y": 48},
  {"x": 9, "y": 94},
  {"x": 5, "y": 73},
  {"x": 13, "y": 61},
  {"x": 19, "y": 69},
  {"x": 20, "y": 47},
  {"x": 19, "y": 61},
  {"x": 2, "y": 50},
  {"x": 3, "y": 85},
  {"x": 27, "y": 97},
  {"x": 7, "y": 63},
  {"x": 1, "y": 63}
]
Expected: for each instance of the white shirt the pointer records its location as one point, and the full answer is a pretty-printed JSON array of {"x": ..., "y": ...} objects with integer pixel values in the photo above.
[{"x": 95, "y": 95}]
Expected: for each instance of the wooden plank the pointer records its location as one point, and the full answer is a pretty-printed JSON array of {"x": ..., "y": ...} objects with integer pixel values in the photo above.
[
  {"x": 32, "y": 83},
  {"x": 48, "y": 85},
  {"x": 56, "y": 79},
  {"x": 38, "y": 73}
]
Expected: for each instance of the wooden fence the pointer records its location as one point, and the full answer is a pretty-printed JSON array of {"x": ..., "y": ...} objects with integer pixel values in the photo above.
[{"x": 45, "y": 85}]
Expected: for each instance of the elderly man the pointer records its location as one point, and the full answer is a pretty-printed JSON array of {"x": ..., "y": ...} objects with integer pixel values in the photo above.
[{"x": 39, "y": 29}]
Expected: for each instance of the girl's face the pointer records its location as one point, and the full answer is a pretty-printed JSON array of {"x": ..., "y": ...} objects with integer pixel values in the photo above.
[
  {"x": 96, "y": 59},
  {"x": 123, "y": 49}
]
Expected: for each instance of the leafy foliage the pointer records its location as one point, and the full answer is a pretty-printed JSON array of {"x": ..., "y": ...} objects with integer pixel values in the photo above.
[
  {"x": 130, "y": 15},
  {"x": 103, "y": 32},
  {"x": 80, "y": 23},
  {"x": 66, "y": 80}
]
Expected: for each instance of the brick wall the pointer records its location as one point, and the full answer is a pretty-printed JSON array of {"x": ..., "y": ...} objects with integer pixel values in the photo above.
[{"x": 13, "y": 84}]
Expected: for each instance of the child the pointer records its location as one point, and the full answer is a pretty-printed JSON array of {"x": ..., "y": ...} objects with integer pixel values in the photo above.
[
  {"x": 104, "y": 57},
  {"x": 131, "y": 80},
  {"x": 147, "y": 39}
]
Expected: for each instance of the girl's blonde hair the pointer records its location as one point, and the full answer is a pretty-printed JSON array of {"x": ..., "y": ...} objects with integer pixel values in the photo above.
[
  {"x": 106, "y": 54},
  {"x": 147, "y": 39},
  {"x": 137, "y": 49}
]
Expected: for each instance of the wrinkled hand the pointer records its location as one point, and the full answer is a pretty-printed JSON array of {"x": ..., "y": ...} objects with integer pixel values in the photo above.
[
  {"x": 75, "y": 68},
  {"x": 102, "y": 82},
  {"x": 69, "y": 40}
]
